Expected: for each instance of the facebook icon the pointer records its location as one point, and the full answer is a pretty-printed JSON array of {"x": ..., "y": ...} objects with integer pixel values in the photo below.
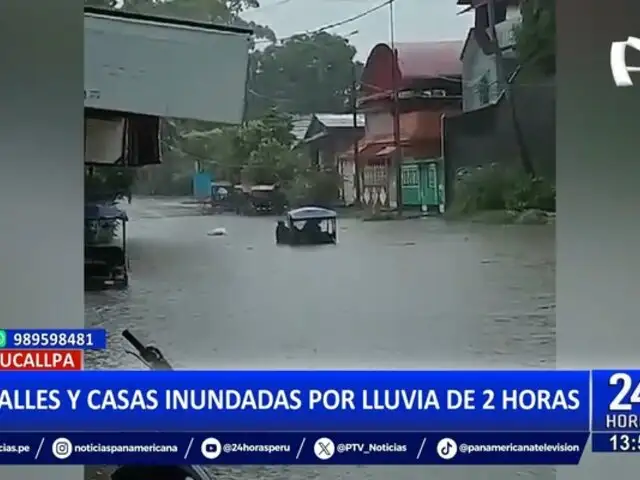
[
  {"x": 618, "y": 57},
  {"x": 211, "y": 448}
]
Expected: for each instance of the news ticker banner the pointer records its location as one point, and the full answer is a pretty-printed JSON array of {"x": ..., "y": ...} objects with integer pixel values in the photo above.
[
  {"x": 311, "y": 448},
  {"x": 373, "y": 401},
  {"x": 463, "y": 401}
]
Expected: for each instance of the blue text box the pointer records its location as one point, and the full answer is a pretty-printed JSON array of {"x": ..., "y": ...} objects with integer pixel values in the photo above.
[
  {"x": 87, "y": 339},
  {"x": 616, "y": 400},
  {"x": 23, "y": 387},
  {"x": 305, "y": 448}
]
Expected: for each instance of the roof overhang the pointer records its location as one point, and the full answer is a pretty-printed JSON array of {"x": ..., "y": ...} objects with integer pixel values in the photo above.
[
  {"x": 172, "y": 67},
  {"x": 316, "y": 137}
]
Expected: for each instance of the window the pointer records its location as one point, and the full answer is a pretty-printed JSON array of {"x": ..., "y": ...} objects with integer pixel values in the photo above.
[
  {"x": 375, "y": 175},
  {"x": 410, "y": 177}
]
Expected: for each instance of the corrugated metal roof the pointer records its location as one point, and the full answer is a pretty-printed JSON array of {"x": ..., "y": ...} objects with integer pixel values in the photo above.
[
  {"x": 300, "y": 125},
  {"x": 340, "y": 120}
]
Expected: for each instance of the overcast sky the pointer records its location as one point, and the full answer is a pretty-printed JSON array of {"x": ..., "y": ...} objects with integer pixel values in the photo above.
[{"x": 415, "y": 20}]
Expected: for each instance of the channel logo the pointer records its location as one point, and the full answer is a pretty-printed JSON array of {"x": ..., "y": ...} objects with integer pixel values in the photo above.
[
  {"x": 211, "y": 448},
  {"x": 618, "y": 57},
  {"x": 62, "y": 448}
]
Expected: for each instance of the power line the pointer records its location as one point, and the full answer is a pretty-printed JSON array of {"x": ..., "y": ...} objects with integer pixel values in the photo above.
[{"x": 334, "y": 24}]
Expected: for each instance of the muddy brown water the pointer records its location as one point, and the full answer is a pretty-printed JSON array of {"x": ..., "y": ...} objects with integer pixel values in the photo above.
[{"x": 402, "y": 294}]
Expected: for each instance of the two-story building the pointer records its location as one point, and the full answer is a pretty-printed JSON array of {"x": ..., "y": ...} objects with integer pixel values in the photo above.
[
  {"x": 427, "y": 80},
  {"x": 479, "y": 72}
]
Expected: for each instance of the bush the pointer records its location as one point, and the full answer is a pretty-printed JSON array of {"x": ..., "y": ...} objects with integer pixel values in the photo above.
[
  {"x": 531, "y": 193},
  {"x": 497, "y": 188},
  {"x": 318, "y": 188}
]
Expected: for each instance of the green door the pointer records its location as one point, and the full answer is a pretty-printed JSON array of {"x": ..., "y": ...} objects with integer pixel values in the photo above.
[
  {"x": 429, "y": 184},
  {"x": 410, "y": 185},
  {"x": 441, "y": 191}
]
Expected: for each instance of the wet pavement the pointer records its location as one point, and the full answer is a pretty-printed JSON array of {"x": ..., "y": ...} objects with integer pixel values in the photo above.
[{"x": 402, "y": 294}]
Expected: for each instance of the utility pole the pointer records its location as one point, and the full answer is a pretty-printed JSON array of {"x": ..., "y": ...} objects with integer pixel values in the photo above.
[
  {"x": 505, "y": 85},
  {"x": 354, "y": 111},
  {"x": 397, "y": 153}
]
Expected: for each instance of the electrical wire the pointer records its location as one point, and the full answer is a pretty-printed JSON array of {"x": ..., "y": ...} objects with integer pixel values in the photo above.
[{"x": 330, "y": 26}]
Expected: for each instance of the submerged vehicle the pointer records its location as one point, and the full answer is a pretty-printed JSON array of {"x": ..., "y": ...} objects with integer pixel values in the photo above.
[
  {"x": 153, "y": 358},
  {"x": 308, "y": 226},
  {"x": 223, "y": 196},
  {"x": 261, "y": 199},
  {"x": 105, "y": 262}
]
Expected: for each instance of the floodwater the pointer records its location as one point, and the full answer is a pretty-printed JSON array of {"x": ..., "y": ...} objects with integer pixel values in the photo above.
[{"x": 400, "y": 294}]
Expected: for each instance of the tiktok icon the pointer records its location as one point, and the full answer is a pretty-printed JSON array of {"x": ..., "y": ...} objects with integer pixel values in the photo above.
[
  {"x": 447, "y": 448},
  {"x": 618, "y": 58}
]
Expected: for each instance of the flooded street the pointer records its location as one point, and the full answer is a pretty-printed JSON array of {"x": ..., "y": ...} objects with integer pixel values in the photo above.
[{"x": 405, "y": 294}]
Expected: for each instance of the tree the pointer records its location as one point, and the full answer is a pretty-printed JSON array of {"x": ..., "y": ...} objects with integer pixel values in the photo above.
[
  {"x": 260, "y": 151},
  {"x": 536, "y": 36},
  {"x": 309, "y": 73}
]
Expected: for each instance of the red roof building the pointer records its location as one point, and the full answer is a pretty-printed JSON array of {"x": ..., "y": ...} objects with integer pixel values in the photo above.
[
  {"x": 427, "y": 79},
  {"x": 416, "y": 62}
]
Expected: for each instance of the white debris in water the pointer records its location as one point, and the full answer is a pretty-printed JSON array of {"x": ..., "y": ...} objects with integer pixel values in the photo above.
[{"x": 217, "y": 232}]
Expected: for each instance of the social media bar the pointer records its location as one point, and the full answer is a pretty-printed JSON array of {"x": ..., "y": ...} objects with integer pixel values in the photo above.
[{"x": 310, "y": 448}]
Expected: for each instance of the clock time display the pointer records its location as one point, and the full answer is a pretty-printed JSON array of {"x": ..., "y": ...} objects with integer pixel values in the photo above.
[{"x": 618, "y": 442}]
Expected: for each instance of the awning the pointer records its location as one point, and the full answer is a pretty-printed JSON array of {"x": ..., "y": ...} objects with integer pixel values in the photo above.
[
  {"x": 370, "y": 150},
  {"x": 386, "y": 151},
  {"x": 365, "y": 150}
]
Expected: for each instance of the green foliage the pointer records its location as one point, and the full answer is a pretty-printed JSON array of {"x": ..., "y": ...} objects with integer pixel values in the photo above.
[
  {"x": 536, "y": 36},
  {"x": 313, "y": 187},
  {"x": 271, "y": 163},
  {"x": 273, "y": 127},
  {"x": 527, "y": 193},
  {"x": 259, "y": 152},
  {"x": 496, "y": 188},
  {"x": 310, "y": 73}
]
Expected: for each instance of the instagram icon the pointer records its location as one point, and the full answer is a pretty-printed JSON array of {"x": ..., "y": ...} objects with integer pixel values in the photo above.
[{"x": 62, "y": 448}]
